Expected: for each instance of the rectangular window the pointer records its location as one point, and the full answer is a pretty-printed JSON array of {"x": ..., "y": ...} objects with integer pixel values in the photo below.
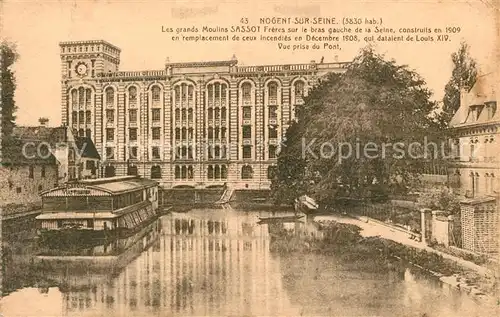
[
  {"x": 132, "y": 134},
  {"x": 247, "y": 132},
  {"x": 89, "y": 165},
  {"x": 88, "y": 116},
  {"x": 132, "y": 115},
  {"x": 273, "y": 112},
  {"x": 110, "y": 134},
  {"x": 273, "y": 133},
  {"x": 156, "y": 114},
  {"x": 247, "y": 151},
  {"x": 110, "y": 115},
  {"x": 74, "y": 116},
  {"x": 81, "y": 116},
  {"x": 133, "y": 153},
  {"x": 272, "y": 151},
  {"x": 155, "y": 151},
  {"x": 247, "y": 112},
  {"x": 156, "y": 133},
  {"x": 110, "y": 153}
]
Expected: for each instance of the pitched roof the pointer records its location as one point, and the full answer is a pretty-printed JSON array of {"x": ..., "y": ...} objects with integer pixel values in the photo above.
[
  {"x": 472, "y": 103},
  {"x": 87, "y": 148}
]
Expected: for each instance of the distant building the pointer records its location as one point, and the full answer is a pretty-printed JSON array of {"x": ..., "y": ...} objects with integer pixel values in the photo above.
[
  {"x": 475, "y": 171},
  {"x": 197, "y": 124},
  {"x": 40, "y": 158}
]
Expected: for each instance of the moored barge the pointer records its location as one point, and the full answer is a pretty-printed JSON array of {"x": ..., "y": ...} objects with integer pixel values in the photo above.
[{"x": 104, "y": 208}]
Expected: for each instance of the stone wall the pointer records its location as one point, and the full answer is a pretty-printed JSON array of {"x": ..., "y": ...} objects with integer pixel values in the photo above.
[{"x": 16, "y": 186}]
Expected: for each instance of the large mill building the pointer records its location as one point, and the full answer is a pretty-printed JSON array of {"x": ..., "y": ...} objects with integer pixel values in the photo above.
[{"x": 198, "y": 124}]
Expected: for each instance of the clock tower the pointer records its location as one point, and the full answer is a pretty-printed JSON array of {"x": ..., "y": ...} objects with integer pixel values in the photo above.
[
  {"x": 82, "y": 64},
  {"x": 86, "y": 59}
]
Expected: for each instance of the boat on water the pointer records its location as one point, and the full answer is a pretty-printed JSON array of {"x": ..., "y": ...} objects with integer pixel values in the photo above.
[
  {"x": 305, "y": 205},
  {"x": 104, "y": 208},
  {"x": 280, "y": 219}
]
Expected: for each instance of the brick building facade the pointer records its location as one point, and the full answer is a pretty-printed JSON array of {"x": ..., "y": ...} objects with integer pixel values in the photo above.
[{"x": 195, "y": 124}]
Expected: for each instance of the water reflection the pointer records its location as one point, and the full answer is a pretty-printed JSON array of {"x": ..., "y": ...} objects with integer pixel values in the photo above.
[{"x": 216, "y": 262}]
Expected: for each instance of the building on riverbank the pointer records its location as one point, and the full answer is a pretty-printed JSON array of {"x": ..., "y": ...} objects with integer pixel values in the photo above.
[
  {"x": 474, "y": 172},
  {"x": 40, "y": 158},
  {"x": 196, "y": 124}
]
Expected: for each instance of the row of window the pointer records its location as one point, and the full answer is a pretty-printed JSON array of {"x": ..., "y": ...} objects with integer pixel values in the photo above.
[
  {"x": 186, "y": 152},
  {"x": 216, "y": 92},
  {"x": 489, "y": 183},
  {"x": 31, "y": 172},
  {"x": 185, "y": 134},
  {"x": 186, "y": 172}
]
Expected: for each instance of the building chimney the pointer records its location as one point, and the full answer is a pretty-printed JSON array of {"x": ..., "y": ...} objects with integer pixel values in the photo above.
[{"x": 43, "y": 121}]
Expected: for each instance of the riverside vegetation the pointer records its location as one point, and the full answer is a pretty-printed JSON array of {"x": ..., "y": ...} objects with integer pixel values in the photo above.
[{"x": 345, "y": 242}]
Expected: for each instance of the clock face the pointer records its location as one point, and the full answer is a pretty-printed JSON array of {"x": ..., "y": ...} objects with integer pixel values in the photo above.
[{"x": 81, "y": 68}]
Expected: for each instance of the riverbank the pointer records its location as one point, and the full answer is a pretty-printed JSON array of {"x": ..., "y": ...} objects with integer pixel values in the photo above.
[{"x": 348, "y": 241}]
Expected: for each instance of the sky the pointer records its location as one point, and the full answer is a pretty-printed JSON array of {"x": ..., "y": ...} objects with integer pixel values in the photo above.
[{"x": 135, "y": 26}]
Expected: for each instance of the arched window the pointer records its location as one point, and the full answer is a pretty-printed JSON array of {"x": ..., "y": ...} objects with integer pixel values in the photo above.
[
  {"x": 109, "y": 171},
  {"x": 177, "y": 94},
  {"x": 190, "y": 115},
  {"x": 210, "y": 113},
  {"x": 190, "y": 92},
  {"x": 183, "y": 172},
  {"x": 155, "y": 172},
  {"x": 223, "y": 113},
  {"x": 210, "y": 133},
  {"x": 299, "y": 88},
  {"x": 273, "y": 91},
  {"x": 223, "y": 172},
  {"x": 132, "y": 170},
  {"x": 88, "y": 116},
  {"x": 177, "y": 172},
  {"x": 184, "y": 134},
  {"x": 210, "y": 172},
  {"x": 110, "y": 96},
  {"x": 88, "y": 96},
  {"x": 190, "y": 172},
  {"x": 246, "y": 172},
  {"x": 74, "y": 98},
  {"x": 177, "y": 115},
  {"x": 81, "y": 96},
  {"x": 132, "y": 95},
  {"x": 156, "y": 93},
  {"x": 217, "y": 172},
  {"x": 177, "y": 134},
  {"x": 271, "y": 171},
  {"x": 184, "y": 116},
  {"x": 217, "y": 113},
  {"x": 246, "y": 89}
]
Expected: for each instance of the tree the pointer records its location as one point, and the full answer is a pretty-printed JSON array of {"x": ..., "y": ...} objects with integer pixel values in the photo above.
[
  {"x": 464, "y": 75},
  {"x": 8, "y": 87},
  {"x": 375, "y": 103},
  {"x": 290, "y": 179}
]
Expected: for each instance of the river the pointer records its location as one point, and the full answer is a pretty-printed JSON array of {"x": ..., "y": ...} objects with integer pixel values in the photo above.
[{"x": 213, "y": 262}]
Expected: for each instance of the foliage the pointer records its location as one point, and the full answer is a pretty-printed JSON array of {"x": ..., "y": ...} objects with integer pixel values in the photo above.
[
  {"x": 464, "y": 75},
  {"x": 8, "y": 86},
  {"x": 443, "y": 199},
  {"x": 374, "y": 101}
]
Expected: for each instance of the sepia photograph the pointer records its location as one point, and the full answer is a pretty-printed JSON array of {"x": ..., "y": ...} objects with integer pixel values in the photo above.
[{"x": 249, "y": 158}]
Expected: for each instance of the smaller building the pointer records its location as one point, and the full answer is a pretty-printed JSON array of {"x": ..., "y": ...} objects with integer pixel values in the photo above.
[
  {"x": 475, "y": 170},
  {"x": 40, "y": 158}
]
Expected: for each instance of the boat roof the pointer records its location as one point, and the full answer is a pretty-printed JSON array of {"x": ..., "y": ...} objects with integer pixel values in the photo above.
[
  {"x": 76, "y": 215},
  {"x": 101, "y": 187}
]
